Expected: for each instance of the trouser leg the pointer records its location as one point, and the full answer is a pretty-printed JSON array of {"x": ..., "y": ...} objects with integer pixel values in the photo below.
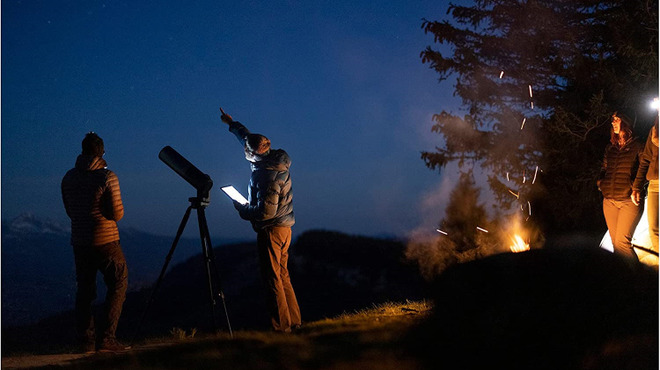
[
  {"x": 270, "y": 253},
  {"x": 611, "y": 213},
  {"x": 624, "y": 217},
  {"x": 115, "y": 275},
  {"x": 284, "y": 234},
  {"x": 652, "y": 215},
  {"x": 85, "y": 292}
]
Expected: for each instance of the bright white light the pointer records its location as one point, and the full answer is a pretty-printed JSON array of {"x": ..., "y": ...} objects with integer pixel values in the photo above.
[
  {"x": 234, "y": 194},
  {"x": 655, "y": 104}
]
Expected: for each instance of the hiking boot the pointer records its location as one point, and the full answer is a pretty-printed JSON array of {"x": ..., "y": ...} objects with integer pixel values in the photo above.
[{"x": 113, "y": 346}]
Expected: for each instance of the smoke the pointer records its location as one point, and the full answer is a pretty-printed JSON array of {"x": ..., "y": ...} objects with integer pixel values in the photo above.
[{"x": 465, "y": 232}]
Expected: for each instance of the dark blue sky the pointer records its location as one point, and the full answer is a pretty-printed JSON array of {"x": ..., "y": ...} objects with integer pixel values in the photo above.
[{"x": 339, "y": 85}]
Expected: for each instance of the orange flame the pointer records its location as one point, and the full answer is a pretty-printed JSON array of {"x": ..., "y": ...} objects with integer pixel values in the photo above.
[{"x": 518, "y": 244}]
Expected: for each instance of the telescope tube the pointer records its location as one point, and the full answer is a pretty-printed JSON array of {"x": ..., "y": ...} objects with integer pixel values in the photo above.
[{"x": 199, "y": 180}]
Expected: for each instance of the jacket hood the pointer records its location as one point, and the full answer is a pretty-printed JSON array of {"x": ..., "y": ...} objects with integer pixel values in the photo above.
[
  {"x": 276, "y": 160},
  {"x": 90, "y": 163}
]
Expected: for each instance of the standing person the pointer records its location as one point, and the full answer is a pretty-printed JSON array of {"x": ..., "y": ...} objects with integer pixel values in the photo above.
[
  {"x": 93, "y": 202},
  {"x": 615, "y": 182},
  {"x": 648, "y": 170},
  {"x": 270, "y": 210}
]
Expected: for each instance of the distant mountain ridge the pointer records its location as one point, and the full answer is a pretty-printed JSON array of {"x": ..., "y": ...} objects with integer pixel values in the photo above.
[
  {"x": 331, "y": 273},
  {"x": 28, "y": 223},
  {"x": 38, "y": 271}
]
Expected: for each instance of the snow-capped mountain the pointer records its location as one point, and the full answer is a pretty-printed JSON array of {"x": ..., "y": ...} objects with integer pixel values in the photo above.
[{"x": 28, "y": 223}]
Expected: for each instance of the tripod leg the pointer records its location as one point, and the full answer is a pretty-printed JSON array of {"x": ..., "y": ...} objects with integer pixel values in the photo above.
[
  {"x": 209, "y": 256},
  {"x": 182, "y": 226}
]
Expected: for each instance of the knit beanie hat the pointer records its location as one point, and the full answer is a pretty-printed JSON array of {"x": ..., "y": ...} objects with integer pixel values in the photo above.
[
  {"x": 257, "y": 144},
  {"x": 92, "y": 145}
]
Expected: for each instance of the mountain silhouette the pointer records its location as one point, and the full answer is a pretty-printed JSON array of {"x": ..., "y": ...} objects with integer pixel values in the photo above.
[{"x": 331, "y": 273}]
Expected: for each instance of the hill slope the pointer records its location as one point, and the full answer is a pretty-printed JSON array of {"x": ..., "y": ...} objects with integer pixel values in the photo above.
[{"x": 331, "y": 273}]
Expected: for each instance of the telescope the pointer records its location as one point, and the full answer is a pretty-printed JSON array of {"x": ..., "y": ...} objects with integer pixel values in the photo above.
[
  {"x": 199, "y": 180},
  {"x": 203, "y": 183}
]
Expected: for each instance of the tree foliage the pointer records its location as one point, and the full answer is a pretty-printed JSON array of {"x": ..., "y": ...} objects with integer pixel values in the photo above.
[
  {"x": 538, "y": 81},
  {"x": 460, "y": 240}
]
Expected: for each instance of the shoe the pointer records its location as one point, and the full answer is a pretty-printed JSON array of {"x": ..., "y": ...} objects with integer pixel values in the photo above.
[
  {"x": 113, "y": 346},
  {"x": 296, "y": 328}
]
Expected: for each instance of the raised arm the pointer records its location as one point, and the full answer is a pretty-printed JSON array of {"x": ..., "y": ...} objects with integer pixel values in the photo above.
[{"x": 241, "y": 132}]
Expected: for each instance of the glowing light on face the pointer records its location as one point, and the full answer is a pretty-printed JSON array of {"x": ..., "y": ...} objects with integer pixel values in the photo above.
[{"x": 616, "y": 124}]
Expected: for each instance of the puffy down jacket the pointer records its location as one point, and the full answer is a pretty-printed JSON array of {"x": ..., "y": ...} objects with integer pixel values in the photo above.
[
  {"x": 270, "y": 194},
  {"x": 619, "y": 169},
  {"x": 93, "y": 202}
]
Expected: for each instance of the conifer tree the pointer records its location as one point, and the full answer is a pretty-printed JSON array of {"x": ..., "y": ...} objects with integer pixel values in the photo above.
[{"x": 538, "y": 82}]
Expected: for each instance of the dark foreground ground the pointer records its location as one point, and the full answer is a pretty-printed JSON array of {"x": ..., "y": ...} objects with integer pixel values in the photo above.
[
  {"x": 572, "y": 308},
  {"x": 362, "y": 340}
]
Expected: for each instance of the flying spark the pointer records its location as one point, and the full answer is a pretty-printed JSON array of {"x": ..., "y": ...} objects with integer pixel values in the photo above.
[
  {"x": 532, "y": 104},
  {"x": 514, "y": 194},
  {"x": 529, "y": 207},
  {"x": 501, "y": 74},
  {"x": 507, "y": 177},
  {"x": 523, "y": 123},
  {"x": 481, "y": 229},
  {"x": 524, "y": 177},
  {"x": 535, "y": 171},
  {"x": 530, "y": 91},
  {"x": 441, "y": 232}
]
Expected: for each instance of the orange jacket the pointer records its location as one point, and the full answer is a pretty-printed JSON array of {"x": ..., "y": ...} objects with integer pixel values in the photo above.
[{"x": 93, "y": 202}]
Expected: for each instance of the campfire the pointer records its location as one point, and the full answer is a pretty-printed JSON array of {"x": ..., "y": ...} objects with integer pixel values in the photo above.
[{"x": 518, "y": 244}]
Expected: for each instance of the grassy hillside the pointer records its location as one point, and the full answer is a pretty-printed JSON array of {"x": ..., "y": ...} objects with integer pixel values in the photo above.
[
  {"x": 577, "y": 307},
  {"x": 371, "y": 338}
]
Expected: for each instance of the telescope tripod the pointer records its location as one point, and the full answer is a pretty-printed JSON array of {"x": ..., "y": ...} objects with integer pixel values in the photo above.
[{"x": 199, "y": 204}]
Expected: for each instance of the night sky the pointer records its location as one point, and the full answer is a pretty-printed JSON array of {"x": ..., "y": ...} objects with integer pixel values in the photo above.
[{"x": 338, "y": 84}]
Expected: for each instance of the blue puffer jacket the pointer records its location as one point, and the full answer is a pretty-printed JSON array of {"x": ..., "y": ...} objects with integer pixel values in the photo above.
[{"x": 270, "y": 194}]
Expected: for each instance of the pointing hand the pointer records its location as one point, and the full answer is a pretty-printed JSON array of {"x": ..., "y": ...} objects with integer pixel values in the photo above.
[{"x": 225, "y": 117}]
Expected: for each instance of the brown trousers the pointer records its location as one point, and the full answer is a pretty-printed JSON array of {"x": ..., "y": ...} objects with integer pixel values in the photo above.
[
  {"x": 622, "y": 217},
  {"x": 273, "y": 246},
  {"x": 109, "y": 259}
]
